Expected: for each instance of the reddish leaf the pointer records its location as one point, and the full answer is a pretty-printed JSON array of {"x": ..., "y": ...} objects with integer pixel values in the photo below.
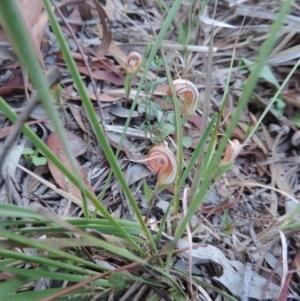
[
  {"x": 111, "y": 77},
  {"x": 104, "y": 63},
  {"x": 106, "y": 33},
  {"x": 30, "y": 21},
  {"x": 85, "y": 11},
  {"x": 15, "y": 83},
  {"x": 55, "y": 145}
]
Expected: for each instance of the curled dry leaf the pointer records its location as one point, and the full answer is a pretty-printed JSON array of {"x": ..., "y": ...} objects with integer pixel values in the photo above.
[
  {"x": 133, "y": 61},
  {"x": 106, "y": 32},
  {"x": 55, "y": 145},
  {"x": 189, "y": 92},
  {"x": 231, "y": 152},
  {"x": 161, "y": 160}
]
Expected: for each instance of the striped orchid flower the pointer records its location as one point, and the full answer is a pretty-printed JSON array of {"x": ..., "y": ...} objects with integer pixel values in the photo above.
[
  {"x": 133, "y": 61},
  {"x": 162, "y": 160},
  {"x": 190, "y": 94}
]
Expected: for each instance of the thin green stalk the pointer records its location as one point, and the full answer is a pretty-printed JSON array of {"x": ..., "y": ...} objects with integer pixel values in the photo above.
[
  {"x": 185, "y": 174},
  {"x": 179, "y": 145},
  {"x": 48, "y": 262},
  {"x": 40, "y": 246},
  {"x": 10, "y": 12},
  {"x": 49, "y": 154},
  {"x": 152, "y": 54},
  {"x": 98, "y": 130},
  {"x": 206, "y": 107},
  {"x": 271, "y": 103},
  {"x": 246, "y": 95}
]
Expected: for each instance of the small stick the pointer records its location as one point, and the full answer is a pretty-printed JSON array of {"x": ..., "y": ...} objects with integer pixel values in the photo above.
[
  {"x": 119, "y": 269},
  {"x": 52, "y": 77},
  {"x": 84, "y": 60}
]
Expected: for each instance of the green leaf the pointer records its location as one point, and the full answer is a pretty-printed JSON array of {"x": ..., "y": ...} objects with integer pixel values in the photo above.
[
  {"x": 220, "y": 170},
  {"x": 148, "y": 192},
  {"x": 171, "y": 118},
  {"x": 117, "y": 280},
  {"x": 37, "y": 161},
  {"x": 167, "y": 129},
  {"x": 127, "y": 84},
  {"x": 187, "y": 142},
  {"x": 27, "y": 151},
  {"x": 157, "y": 111},
  {"x": 225, "y": 218},
  {"x": 295, "y": 120},
  {"x": 265, "y": 73},
  {"x": 56, "y": 92}
]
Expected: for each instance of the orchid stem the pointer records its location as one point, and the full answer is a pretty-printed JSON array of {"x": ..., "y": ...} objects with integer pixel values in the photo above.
[{"x": 151, "y": 202}]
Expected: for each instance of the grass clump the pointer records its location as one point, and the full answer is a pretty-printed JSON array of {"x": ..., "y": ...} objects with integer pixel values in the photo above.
[{"x": 100, "y": 255}]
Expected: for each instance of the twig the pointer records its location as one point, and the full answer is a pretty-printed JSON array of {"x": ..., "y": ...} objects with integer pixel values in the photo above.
[
  {"x": 79, "y": 23},
  {"x": 52, "y": 77},
  {"x": 246, "y": 283},
  {"x": 84, "y": 60},
  {"x": 123, "y": 268}
]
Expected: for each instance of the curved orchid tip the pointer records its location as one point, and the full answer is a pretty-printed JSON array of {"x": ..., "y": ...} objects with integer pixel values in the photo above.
[
  {"x": 162, "y": 160},
  {"x": 232, "y": 150},
  {"x": 133, "y": 61},
  {"x": 190, "y": 95}
]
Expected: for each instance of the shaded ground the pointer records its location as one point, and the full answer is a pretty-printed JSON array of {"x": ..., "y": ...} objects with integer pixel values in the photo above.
[{"x": 242, "y": 217}]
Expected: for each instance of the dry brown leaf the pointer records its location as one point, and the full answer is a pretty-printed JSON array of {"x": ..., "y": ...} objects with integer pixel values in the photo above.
[
  {"x": 103, "y": 63},
  {"x": 12, "y": 86},
  {"x": 29, "y": 19},
  {"x": 259, "y": 158},
  {"x": 114, "y": 9},
  {"x": 268, "y": 139},
  {"x": 84, "y": 11},
  {"x": 106, "y": 32},
  {"x": 75, "y": 110},
  {"x": 103, "y": 97},
  {"x": 39, "y": 28},
  {"x": 111, "y": 77},
  {"x": 32, "y": 10},
  {"x": 5, "y": 131},
  {"x": 254, "y": 138},
  {"x": 63, "y": 193},
  {"x": 55, "y": 145}
]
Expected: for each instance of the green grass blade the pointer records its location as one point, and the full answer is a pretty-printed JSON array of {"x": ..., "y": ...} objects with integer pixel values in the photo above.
[
  {"x": 246, "y": 95},
  {"x": 10, "y": 12},
  {"x": 19, "y": 36},
  {"x": 45, "y": 272},
  {"x": 185, "y": 174},
  {"x": 179, "y": 145},
  {"x": 98, "y": 130},
  {"x": 271, "y": 103},
  {"x": 46, "y": 261},
  {"x": 49, "y": 154}
]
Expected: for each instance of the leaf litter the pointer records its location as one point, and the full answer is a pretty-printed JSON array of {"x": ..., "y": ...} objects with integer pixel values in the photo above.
[{"x": 249, "y": 251}]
